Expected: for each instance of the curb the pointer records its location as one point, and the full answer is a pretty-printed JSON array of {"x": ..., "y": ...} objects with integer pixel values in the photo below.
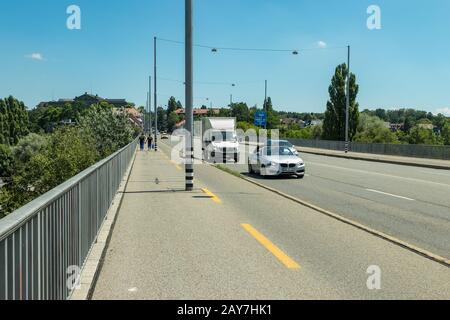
[
  {"x": 404, "y": 163},
  {"x": 396, "y": 241},
  {"x": 95, "y": 258}
]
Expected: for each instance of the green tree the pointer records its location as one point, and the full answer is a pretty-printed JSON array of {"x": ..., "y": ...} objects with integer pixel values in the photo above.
[
  {"x": 446, "y": 133},
  {"x": 334, "y": 123},
  {"x": 162, "y": 119},
  {"x": 28, "y": 147},
  {"x": 171, "y": 106},
  {"x": 240, "y": 111},
  {"x": 420, "y": 135},
  {"x": 372, "y": 129},
  {"x": 67, "y": 153},
  {"x": 108, "y": 130},
  {"x": 273, "y": 120},
  {"x": 6, "y": 161},
  {"x": 172, "y": 120},
  {"x": 13, "y": 120}
]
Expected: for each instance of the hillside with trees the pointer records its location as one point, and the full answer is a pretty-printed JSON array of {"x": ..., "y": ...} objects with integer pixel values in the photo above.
[{"x": 34, "y": 163}]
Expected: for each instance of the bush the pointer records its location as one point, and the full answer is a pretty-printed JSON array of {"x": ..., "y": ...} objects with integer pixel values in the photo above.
[
  {"x": 419, "y": 135},
  {"x": 109, "y": 131},
  {"x": 67, "y": 153},
  {"x": 372, "y": 129},
  {"x": 28, "y": 147}
]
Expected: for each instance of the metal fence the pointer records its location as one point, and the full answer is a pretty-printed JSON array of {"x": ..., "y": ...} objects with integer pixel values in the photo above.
[
  {"x": 40, "y": 241},
  {"x": 405, "y": 150}
]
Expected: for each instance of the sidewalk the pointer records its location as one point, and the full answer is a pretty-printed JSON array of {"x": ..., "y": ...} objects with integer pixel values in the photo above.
[{"x": 408, "y": 161}]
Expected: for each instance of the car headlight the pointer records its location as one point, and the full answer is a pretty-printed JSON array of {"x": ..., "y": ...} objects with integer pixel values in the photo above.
[{"x": 300, "y": 164}]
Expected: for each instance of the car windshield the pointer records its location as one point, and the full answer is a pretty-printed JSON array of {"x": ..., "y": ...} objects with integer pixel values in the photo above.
[
  {"x": 277, "y": 151},
  {"x": 281, "y": 143}
]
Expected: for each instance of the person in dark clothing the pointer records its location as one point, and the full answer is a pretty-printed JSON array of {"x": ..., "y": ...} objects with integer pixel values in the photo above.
[
  {"x": 150, "y": 142},
  {"x": 142, "y": 141}
]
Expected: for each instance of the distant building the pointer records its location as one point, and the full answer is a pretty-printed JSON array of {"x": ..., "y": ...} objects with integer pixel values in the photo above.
[
  {"x": 133, "y": 114},
  {"x": 87, "y": 99},
  {"x": 292, "y": 121},
  {"x": 199, "y": 112},
  {"x": 397, "y": 126}
]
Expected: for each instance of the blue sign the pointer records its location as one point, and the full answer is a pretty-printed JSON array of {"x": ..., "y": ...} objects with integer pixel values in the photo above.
[{"x": 260, "y": 118}]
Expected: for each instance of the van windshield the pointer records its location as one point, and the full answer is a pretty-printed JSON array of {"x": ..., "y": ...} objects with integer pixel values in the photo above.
[{"x": 229, "y": 136}]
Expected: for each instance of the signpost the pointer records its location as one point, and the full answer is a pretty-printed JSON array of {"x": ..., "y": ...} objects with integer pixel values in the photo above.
[{"x": 260, "y": 119}]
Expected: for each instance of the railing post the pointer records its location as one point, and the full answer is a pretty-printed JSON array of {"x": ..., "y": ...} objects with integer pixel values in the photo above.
[{"x": 79, "y": 226}]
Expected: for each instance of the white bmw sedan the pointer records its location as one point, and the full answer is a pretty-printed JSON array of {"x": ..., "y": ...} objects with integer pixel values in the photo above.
[{"x": 276, "y": 161}]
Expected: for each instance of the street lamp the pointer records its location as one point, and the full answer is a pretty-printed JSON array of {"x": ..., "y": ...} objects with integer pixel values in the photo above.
[{"x": 347, "y": 107}]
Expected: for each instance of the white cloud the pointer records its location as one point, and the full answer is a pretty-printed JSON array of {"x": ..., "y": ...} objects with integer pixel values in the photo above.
[
  {"x": 445, "y": 111},
  {"x": 36, "y": 56},
  {"x": 321, "y": 44}
]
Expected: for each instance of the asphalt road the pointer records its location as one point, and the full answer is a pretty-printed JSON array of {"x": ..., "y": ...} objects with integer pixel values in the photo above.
[
  {"x": 410, "y": 203},
  {"x": 230, "y": 239}
]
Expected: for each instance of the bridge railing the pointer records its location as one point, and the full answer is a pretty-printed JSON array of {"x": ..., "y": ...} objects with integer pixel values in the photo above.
[
  {"x": 42, "y": 241},
  {"x": 404, "y": 150}
]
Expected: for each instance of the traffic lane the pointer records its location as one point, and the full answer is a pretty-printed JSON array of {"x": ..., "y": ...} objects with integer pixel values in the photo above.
[
  {"x": 395, "y": 186},
  {"x": 405, "y": 182},
  {"x": 419, "y": 223},
  {"x": 331, "y": 250}
]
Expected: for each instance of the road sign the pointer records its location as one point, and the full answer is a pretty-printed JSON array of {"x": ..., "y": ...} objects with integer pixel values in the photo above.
[{"x": 260, "y": 118}]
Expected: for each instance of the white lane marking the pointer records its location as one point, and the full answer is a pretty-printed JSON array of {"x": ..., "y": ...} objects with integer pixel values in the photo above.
[
  {"x": 133, "y": 289},
  {"x": 313, "y": 163},
  {"x": 390, "y": 194}
]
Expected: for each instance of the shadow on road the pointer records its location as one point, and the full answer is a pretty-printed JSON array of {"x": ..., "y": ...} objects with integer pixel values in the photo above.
[{"x": 259, "y": 177}]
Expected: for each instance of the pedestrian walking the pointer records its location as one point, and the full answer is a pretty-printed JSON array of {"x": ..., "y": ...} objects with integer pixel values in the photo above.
[
  {"x": 150, "y": 142},
  {"x": 142, "y": 142}
]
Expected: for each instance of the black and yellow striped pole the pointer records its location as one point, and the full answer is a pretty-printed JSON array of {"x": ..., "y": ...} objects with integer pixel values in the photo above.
[
  {"x": 155, "y": 97},
  {"x": 189, "y": 146}
]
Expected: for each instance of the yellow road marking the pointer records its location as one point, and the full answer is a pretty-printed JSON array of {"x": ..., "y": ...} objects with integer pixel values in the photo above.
[
  {"x": 176, "y": 165},
  {"x": 266, "y": 243},
  {"x": 212, "y": 196}
]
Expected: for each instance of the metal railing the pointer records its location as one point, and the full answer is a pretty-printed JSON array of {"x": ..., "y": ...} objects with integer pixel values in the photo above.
[
  {"x": 42, "y": 240},
  {"x": 404, "y": 150}
]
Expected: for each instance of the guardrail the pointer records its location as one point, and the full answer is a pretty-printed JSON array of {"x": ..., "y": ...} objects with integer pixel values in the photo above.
[
  {"x": 40, "y": 242},
  {"x": 404, "y": 150}
]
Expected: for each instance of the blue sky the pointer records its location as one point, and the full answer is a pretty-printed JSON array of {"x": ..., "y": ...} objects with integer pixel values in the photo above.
[{"x": 405, "y": 64}]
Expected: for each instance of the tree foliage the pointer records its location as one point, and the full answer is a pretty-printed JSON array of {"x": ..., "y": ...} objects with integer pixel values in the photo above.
[
  {"x": 108, "y": 130},
  {"x": 335, "y": 115},
  {"x": 372, "y": 129},
  {"x": 67, "y": 153},
  {"x": 6, "y": 161},
  {"x": 13, "y": 120}
]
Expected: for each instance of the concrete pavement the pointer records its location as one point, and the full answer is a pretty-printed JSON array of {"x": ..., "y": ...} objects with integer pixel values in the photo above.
[{"x": 170, "y": 244}]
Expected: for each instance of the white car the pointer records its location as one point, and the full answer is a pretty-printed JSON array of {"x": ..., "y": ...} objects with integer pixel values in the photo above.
[
  {"x": 276, "y": 161},
  {"x": 282, "y": 143}
]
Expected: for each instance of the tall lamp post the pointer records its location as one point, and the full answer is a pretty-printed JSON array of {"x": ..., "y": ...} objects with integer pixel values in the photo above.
[
  {"x": 265, "y": 102},
  {"x": 189, "y": 166},
  {"x": 155, "y": 96},
  {"x": 347, "y": 107},
  {"x": 149, "y": 110}
]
